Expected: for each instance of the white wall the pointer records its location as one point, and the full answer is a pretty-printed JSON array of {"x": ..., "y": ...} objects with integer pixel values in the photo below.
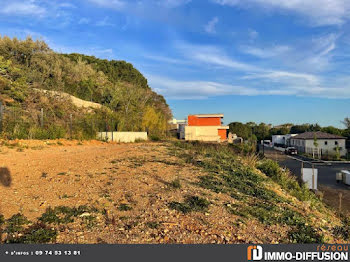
[
  {"x": 123, "y": 137},
  {"x": 202, "y": 133},
  {"x": 282, "y": 139},
  {"x": 279, "y": 139}
]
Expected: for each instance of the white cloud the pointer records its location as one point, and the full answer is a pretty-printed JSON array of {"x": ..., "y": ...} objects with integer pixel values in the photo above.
[
  {"x": 286, "y": 77},
  {"x": 211, "y": 26},
  {"x": 83, "y": 21},
  {"x": 164, "y": 59},
  {"x": 114, "y": 4},
  {"x": 104, "y": 22},
  {"x": 265, "y": 52},
  {"x": 176, "y": 89},
  {"x": 173, "y": 3},
  {"x": 213, "y": 56},
  {"x": 27, "y": 8},
  {"x": 124, "y": 4},
  {"x": 195, "y": 89},
  {"x": 313, "y": 56},
  {"x": 318, "y": 12}
]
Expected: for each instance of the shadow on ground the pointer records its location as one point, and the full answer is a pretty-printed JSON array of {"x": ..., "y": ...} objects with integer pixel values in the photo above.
[{"x": 5, "y": 177}]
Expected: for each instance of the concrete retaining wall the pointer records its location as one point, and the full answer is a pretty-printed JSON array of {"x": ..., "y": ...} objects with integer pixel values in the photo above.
[{"x": 123, "y": 137}]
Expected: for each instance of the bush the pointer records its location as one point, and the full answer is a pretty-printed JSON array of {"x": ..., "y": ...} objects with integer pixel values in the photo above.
[
  {"x": 191, "y": 203},
  {"x": 286, "y": 181},
  {"x": 36, "y": 234},
  {"x": 124, "y": 207},
  {"x": 155, "y": 138},
  {"x": 175, "y": 183},
  {"x": 271, "y": 169},
  {"x": 51, "y": 132}
]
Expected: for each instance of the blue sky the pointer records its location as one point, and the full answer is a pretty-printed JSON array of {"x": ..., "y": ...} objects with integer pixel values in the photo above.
[{"x": 271, "y": 61}]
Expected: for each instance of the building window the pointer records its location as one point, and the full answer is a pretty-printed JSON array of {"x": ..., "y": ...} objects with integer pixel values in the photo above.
[
  {"x": 326, "y": 143},
  {"x": 336, "y": 143}
]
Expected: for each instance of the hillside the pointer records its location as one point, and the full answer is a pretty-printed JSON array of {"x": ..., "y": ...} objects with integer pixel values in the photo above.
[
  {"x": 171, "y": 192},
  {"x": 27, "y": 65},
  {"x": 80, "y": 103}
]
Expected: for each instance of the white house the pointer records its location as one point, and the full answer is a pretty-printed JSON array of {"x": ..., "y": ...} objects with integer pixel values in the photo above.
[
  {"x": 282, "y": 139},
  {"x": 328, "y": 144}
]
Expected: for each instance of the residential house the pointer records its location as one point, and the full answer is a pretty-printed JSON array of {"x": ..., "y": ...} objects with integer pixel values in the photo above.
[
  {"x": 206, "y": 127},
  {"x": 327, "y": 144}
]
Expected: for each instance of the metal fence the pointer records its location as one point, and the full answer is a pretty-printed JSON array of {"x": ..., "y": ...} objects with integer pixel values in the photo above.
[
  {"x": 16, "y": 122},
  {"x": 322, "y": 153}
]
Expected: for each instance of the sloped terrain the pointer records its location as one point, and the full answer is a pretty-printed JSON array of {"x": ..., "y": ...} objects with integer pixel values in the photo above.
[{"x": 170, "y": 192}]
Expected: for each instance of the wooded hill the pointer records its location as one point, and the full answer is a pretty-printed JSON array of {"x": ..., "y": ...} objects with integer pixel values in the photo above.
[{"x": 129, "y": 104}]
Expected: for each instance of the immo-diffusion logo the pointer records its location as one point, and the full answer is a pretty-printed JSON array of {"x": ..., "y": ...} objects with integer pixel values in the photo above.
[
  {"x": 254, "y": 253},
  {"x": 330, "y": 253}
]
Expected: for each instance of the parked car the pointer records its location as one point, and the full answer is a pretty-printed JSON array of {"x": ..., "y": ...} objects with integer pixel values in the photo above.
[{"x": 291, "y": 151}]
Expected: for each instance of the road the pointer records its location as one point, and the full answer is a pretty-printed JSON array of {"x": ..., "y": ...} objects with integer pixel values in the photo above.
[{"x": 326, "y": 172}]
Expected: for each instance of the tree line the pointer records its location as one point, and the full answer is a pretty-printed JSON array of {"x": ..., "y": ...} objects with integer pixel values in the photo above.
[{"x": 255, "y": 132}]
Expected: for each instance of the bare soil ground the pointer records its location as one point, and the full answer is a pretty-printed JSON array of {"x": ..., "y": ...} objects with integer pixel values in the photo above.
[
  {"x": 131, "y": 183},
  {"x": 331, "y": 197}
]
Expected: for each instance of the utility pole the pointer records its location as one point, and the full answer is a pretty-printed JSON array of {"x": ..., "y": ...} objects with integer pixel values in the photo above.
[{"x": 263, "y": 142}]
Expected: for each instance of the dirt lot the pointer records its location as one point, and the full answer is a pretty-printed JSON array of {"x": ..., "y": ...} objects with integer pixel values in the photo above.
[{"x": 131, "y": 183}]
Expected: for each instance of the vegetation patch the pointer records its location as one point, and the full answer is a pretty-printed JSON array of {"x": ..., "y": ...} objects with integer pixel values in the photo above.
[
  {"x": 124, "y": 207},
  {"x": 176, "y": 183},
  {"x": 152, "y": 225},
  {"x": 191, "y": 204},
  {"x": 234, "y": 172},
  {"x": 22, "y": 231},
  {"x": 64, "y": 214}
]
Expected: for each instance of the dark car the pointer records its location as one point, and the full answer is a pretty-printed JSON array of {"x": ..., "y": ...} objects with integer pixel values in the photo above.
[{"x": 291, "y": 151}]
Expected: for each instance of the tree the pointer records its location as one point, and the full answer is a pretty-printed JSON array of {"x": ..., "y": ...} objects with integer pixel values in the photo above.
[
  {"x": 241, "y": 130},
  {"x": 261, "y": 131},
  {"x": 332, "y": 130},
  {"x": 346, "y": 122},
  {"x": 153, "y": 122}
]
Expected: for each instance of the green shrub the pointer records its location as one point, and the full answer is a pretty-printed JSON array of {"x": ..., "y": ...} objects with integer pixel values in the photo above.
[
  {"x": 191, "y": 203},
  {"x": 155, "y": 138},
  {"x": 64, "y": 214},
  {"x": 271, "y": 169},
  {"x": 124, "y": 207},
  {"x": 36, "y": 234},
  {"x": 16, "y": 223},
  {"x": 175, "y": 183},
  {"x": 305, "y": 234},
  {"x": 287, "y": 182},
  {"x": 153, "y": 225}
]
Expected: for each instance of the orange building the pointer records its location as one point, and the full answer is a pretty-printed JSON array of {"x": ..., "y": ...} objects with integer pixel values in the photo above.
[{"x": 206, "y": 127}]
